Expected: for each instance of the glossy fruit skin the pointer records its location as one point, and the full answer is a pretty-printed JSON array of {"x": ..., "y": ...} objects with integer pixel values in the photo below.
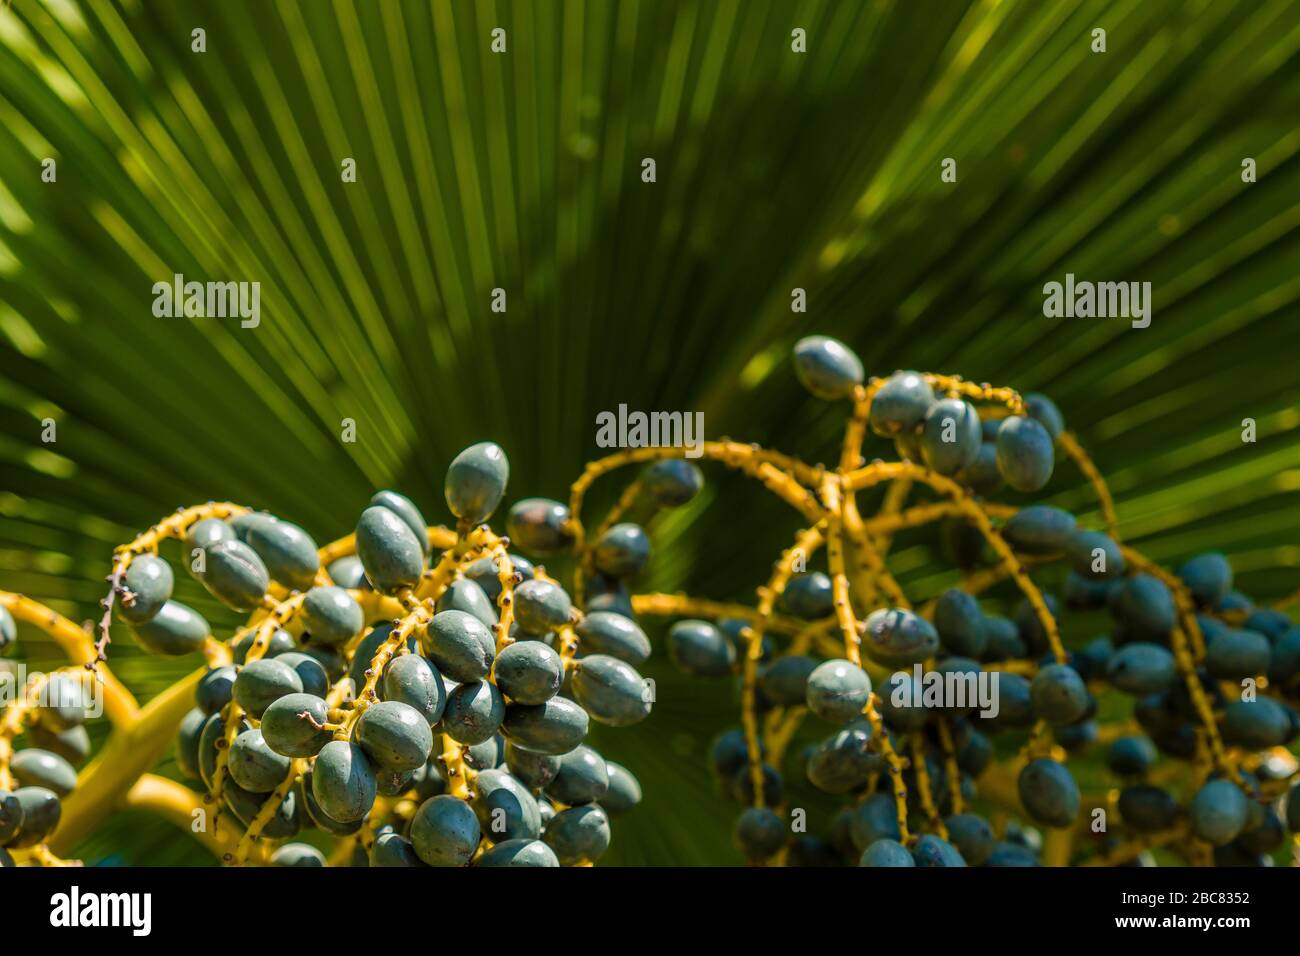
[
  {"x": 624, "y": 792},
  {"x": 519, "y": 853},
  {"x": 1044, "y": 411},
  {"x": 40, "y": 816},
  {"x": 623, "y": 551},
  {"x": 176, "y": 629},
  {"x": 203, "y": 535},
  {"x": 331, "y": 615},
  {"x": 785, "y": 680},
  {"x": 1002, "y": 639},
  {"x": 672, "y": 482},
  {"x": 314, "y": 677},
  {"x": 837, "y": 691},
  {"x": 395, "y": 736},
  {"x": 1040, "y": 530},
  {"x": 808, "y": 596},
  {"x": 1209, "y": 577},
  {"x": 389, "y": 550},
  {"x": 844, "y": 762},
  {"x": 236, "y": 575},
  {"x": 583, "y": 778},
  {"x": 887, "y": 852},
  {"x": 33, "y": 767},
  {"x": 827, "y": 367},
  {"x": 534, "y": 770},
  {"x": 460, "y": 646},
  {"x": 539, "y": 526},
  {"x": 604, "y": 632},
  {"x": 187, "y": 744},
  {"x": 898, "y": 638},
  {"x": 1258, "y": 724},
  {"x": 1058, "y": 694},
  {"x": 1025, "y": 454},
  {"x": 393, "y": 850},
  {"x": 1219, "y": 812},
  {"x": 1145, "y": 605},
  {"x": 900, "y": 404},
  {"x": 289, "y": 553},
  {"x": 289, "y": 734},
  {"x": 444, "y": 832},
  {"x": 316, "y": 815},
  {"x": 8, "y": 629},
  {"x": 347, "y": 572},
  {"x": 368, "y": 647},
  {"x": 1131, "y": 756},
  {"x": 930, "y": 851},
  {"x": 1235, "y": 654},
  {"x": 464, "y": 595},
  {"x": 280, "y": 642},
  {"x": 474, "y": 712},
  {"x": 263, "y": 682},
  {"x": 529, "y": 672},
  {"x": 960, "y": 623},
  {"x": 611, "y": 691},
  {"x": 254, "y": 765},
  {"x": 1284, "y": 659},
  {"x": 875, "y": 818},
  {"x": 616, "y": 600},
  {"x": 1141, "y": 668},
  {"x": 1049, "y": 793},
  {"x": 476, "y": 480},
  {"x": 413, "y": 681},
  {"x": 1147, "y": 809},
  {"x": 1094, "y": 556},
  {"x": 759, "y": 833},
  {"x": 555, "y": 727},
  {"x": 298, "y": 855},
  {"x": 981, "y": 473},
  {"x": 578, "y": 835},
  {"x": 11, "y": 816},
  {"x": 972, "y": 837},
  {"x": 149, "y": 581},
  {"x": 343, "y": 781},
  {"x": 483, "y": 572},
  {"x": 504, "y": 807},
  {"x": 405, "y": 509},
  {"x": 542, "y": 606},
  {"x": 700, "y": 649},
  {"x": 956, "y": 420}
]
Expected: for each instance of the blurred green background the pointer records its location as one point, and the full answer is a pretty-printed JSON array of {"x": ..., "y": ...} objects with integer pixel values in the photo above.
[{"x": 775, "y": 170}]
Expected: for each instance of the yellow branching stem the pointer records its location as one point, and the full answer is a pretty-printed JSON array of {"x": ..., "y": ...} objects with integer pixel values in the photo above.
[
  {"x": 181, "y": 806},
  {"x": 950, "y": 764},
  {"x": 895, "y": 497},
  {"x": 507, "y": 579},
  {"x": 16, "y": 717},
  {"x": 839, "y": 580},
  {"x": 568, "y": 645},
  {"x": 893, "y": 761},
  {"x": 458, "y": 772},
  {"x": 265, "y": 814},
  {"x": 1070, "y": 445},
  {"x": 682, "y": 605},
  {"x": 984, "y": 392},
  {"x": 923, "y": 792},
  {"x": 1131, "y": 849}
]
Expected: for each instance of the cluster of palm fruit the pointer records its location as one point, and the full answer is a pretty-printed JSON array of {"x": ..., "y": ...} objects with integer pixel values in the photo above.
[
  {"x": 1212, "y": 679},
  {"x": 433, "y": 706}
]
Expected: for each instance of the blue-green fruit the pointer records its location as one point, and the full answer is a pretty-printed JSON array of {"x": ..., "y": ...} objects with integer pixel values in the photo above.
[
  {"x": 289, "y": 733},
  {"x": 1044, "y": 411},
  {"x": 314, "y": 677},
  {"x": 960, "y": 623},
  {"x": 539, "y": 526},
  {"x": 1049, "y": 793},
  {"x": 950, "y": 436},
  {"x": 405, "y": 509},
  {"x": 583, "y": 778},
  {"x": 476, "y": 480},
  {"x": 461, "y": 646},
  {"x": 254, "y": 765},
  {"x": 930, "y": 851},
  {"x": 1141, "y": 668},
  {"x": 504, "y": 807},
  {"x": 827, "y": 367},
  {"x": 1219, "y": 812},
  {"x": 875, "y": 818},
  {"x": 148, "y": 582},
  {"x": 1284, "y": 658},
  {"x": 542, "y": 606},
  {"x": 981, "y": 473},
  {"x": 1093, "y": 555},
  {"x": 298, "y": 855},
  {"x": 700, "y": 649},
  {"x": 318, "y": 816},
  {"x": 1058, "y": 694},
  {"x": 64, "y": 702},
  {"x": 262, "y": 683},
  {"x": 1147, "y": 809},
  {"x": 33, "y": 767},
  {"x": 176, "y": 629},
  {"x": 474, "y": 712},
  {"x": 465, "y": 595},
  {"x": 837, "y": 691},
  {"x": 1234, "y": 655},
  {"x": 1003, "y": 639},
  {"x": 900, "y": 404},
  {"x": 604, "y": 632},
  {"x": 624, "y": 791},
  {"x": 898, "y": 638},
  {"x": 280, "y": 642},
  {"x": 886, "y": 852},
  {"x": 368, "y": 647},
  {"x": 844, "y": 761},
  {"x": 529, "y": 672},
  {"x": 611, "y": 691},
  {"x": 759, "y": 833},
  {"x": 40, "y": 815},
  {"x": 331, "y": 615},
  {"x": 211, "y": 739},
  {"x": 395, "y": 736},
  {"x": 1209, "y": 577},
  {"x": 236, "y": 575},
  {"x": 1025, "y": 455},
  {"x": 413, "y": 681},
  {"x": 187, "y": 744},
  {"x": 672, "y": 482},
  {"x": 289, "y": 553},
  {"x": 1268, "y": 621},
  {"x": 389, "y": 550},
  {"x": 11, "y": 816},
  {"x": 910, "y": 712},
  {"x": 533, "y": 769},
  {"x": 343, "y": 782},
  {"x": 445, "y": 832},
  {"x": 972, "y": 836},
  {"x": 201, "y": 536},
  {"x": 623, "y": 551},
  {"x": 555, "y": 727},
  {"x": 347, "y": 572},
  {"x": 808, "y": 596},
  {"x": 1257, "y": 724},
  {"x": 1131, "y": 756},
  {"x": 484, "y": 573},
  {"x": 1040, "y": 529},
  {"x": 393, "y": 850},
  {"x": 1145, "y": 605},
  {"x": 519, "y": 853},
  {"x": 578, "y": 835},
  {"x": 785, "y": 680}
]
